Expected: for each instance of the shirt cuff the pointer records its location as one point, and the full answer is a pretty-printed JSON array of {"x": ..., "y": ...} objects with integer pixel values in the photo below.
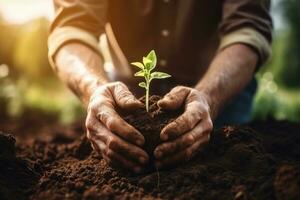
[
  {"x": 61, "y": 36},
  {"x": 251, "y": 37}
]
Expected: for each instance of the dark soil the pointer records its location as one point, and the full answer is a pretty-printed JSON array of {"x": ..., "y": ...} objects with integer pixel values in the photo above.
[
  {"x": 259, "y": 161},
  {"x": 151, "y": 123}
]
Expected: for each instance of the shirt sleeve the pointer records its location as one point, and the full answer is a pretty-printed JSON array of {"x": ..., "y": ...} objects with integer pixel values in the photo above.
[
  {"x": 247, "y": 22},
  {"x": 77, "y": 20}
]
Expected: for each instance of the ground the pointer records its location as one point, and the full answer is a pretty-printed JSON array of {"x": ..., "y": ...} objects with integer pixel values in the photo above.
[{"x": 44, "y": 160}]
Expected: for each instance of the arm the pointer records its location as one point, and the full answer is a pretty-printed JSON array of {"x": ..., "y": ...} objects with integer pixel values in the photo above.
[
  {"x": 245, "y": 44},
  {"x": 78, "y": 62},
  {"x": 81, "y": 69},
  {"x": 229, "y": 73}
]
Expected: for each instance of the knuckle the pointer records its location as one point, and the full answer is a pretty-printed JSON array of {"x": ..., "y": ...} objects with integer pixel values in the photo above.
[
  {"x": 189, "y": 124},
  {"x": 110, "y": 123},
  {"x": 196, "y": 105},
  {"x": 174, "y": 127},
  {"x": 190, "y": 139},
  {"x": 111, "y": 143},
  {"x": 104, "y": 116}
]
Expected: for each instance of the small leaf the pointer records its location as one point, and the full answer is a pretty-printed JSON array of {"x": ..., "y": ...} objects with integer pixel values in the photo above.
[
  {"x": 152, "y": 56},
  {"x": 138, "y": 64},
  {"x": 142, "y": 84},
  {"x": 140, "y": 73},
  {"x": 147, "y": 62},
  {"x": 159, "y": 75}
]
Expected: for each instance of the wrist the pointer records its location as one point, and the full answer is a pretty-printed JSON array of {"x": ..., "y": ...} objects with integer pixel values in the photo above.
[
  {"x": 92, "y": 87},
  {"x": 211, "y": 99}
]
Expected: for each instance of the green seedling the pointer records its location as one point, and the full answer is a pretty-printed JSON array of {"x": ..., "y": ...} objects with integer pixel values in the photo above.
[{"x": 146, "y": 68}]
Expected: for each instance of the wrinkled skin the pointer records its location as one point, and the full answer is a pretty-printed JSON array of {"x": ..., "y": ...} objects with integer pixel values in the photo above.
[
  {"x": 118, "y": 142},
  {"x": 186, "y": 135}
]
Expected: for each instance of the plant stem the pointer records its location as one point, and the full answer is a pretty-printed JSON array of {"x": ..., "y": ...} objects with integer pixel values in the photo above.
[
  {"x": 158, "y": 178},
  {"x": 147, "y": 97}
]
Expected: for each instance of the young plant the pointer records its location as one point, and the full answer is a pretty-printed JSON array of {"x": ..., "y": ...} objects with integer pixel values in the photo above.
[{"x": 149, "y": 63}]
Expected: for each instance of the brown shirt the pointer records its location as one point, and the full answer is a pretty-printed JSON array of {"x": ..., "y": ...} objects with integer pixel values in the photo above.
[{"x": 186, "y": 34}]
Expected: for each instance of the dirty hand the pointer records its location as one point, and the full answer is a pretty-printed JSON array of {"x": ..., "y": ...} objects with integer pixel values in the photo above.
[
  {"x": 187, "y": 134},
  {"x": 117, "y": 141}
]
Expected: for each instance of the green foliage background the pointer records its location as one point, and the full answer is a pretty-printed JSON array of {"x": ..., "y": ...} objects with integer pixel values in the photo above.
[
  {"x": 27, "y": 82},
  {"x": 279, "y": 89},
  {"x": 30, "y": 84}
]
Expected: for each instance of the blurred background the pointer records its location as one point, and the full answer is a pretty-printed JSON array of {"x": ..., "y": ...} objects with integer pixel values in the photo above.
[{"x": 28, "y": 86}]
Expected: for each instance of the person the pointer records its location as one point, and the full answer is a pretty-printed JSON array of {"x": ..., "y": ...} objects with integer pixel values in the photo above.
[{"x": 212, "y": 49}]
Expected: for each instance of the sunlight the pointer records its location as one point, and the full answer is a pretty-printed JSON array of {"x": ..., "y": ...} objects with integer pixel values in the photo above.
[{"x": 20, "y": 11}]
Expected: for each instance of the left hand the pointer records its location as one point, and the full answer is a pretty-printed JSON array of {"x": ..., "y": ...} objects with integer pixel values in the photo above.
[{"x": 185, "y": 136}]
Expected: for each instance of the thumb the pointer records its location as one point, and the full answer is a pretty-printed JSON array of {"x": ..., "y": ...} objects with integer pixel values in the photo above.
[
  {"x": 124, "y": 98},
  {"x": 174, "y": 99}
]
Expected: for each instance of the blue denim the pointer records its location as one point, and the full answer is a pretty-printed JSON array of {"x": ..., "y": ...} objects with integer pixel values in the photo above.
[{"x": 238, "y": 111}]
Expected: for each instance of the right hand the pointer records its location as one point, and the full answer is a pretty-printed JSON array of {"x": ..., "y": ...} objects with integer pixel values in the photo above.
[{"x": 118, "y": 142}]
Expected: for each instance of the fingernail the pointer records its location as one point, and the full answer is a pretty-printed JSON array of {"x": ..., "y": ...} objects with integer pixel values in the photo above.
[
  {"x": 137, "y": 169},
  {"x": 142, "y": 160},
  {"x": 140, "y": 142},
  {"x": 158, "y": 154}
]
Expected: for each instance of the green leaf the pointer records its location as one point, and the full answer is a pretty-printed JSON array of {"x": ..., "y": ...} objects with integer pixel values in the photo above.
[
  {"x": 152, "y": 56},
  {"x": 138, "y": 64},
  {"x": 140, "y": 73},
  {"x": 147, "y": 62},
  {"x": 159, "y": 75},
  {"x": 142, "y": 85}
]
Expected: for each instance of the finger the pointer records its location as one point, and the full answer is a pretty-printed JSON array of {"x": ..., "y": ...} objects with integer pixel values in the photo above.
[
  {"x": 183, "y": 141},
  {"x": 95, "y": 146},
  {"x": 187, "y": 121},
  {"x": 98, "y": 132},
  {"x": 100, "y": 146},
  {"x": 185, "y": 155},
  {"x": 129, "y": 151},
  {"x": 120, "y": 161},
  {"x": 95, "y": 129},
  {"x": 110, "y": 118},
  {"x": 174, "y": 99},
  {"x": 124, "y": 98}
]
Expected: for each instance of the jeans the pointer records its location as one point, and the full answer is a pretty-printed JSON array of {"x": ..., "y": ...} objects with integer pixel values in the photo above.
[{"x": 238, "y": 111}]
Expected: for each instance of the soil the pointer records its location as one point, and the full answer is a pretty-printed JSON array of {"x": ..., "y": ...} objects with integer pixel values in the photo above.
[
  {"x": 258, "y": 161},
  {"x": 151, "y": 123}
]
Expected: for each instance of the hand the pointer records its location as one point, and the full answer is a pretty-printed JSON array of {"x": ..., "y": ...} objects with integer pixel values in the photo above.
[
  {"x": 185, "y": 136},
  {"x": 117, "y": 141}
]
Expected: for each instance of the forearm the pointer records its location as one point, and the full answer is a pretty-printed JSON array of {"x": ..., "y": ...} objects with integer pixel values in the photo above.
[
  {"x": 81, "y": 69},
  {"x": 229, "y": 73}
]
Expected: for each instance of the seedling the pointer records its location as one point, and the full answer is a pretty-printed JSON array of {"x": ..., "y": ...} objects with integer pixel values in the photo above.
[{"x": 146, "y": 68}]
